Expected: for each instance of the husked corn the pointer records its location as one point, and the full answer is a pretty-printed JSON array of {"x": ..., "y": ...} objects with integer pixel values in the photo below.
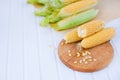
[
  {"x": 98, "y": 38},
  {"x": 77, "y": 7},
  {"x": 72, "y": 36},
  {"x": 90, "y": 28}
]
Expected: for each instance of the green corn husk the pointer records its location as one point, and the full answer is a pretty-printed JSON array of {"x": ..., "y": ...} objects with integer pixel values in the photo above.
[
  {"x": 37, "y": 1},
  {"x": 31, "y": 1},
  {"x": 75, "y": 20},
  {"x": 65, "y": 2},
  {"x": 65, "y": 13}
]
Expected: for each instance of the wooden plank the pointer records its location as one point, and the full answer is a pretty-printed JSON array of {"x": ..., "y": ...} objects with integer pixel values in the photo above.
[
  {"x": 31, "y": 58},
  {"x": 4, "y": 32},
  {"x": 47, "y": 58},
  {"x": 64, "y": 72},
  {"x": 15, "y": 47}
]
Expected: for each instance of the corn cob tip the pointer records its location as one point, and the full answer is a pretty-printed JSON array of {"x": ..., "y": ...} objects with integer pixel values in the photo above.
[{"x": 90, "y": 28}]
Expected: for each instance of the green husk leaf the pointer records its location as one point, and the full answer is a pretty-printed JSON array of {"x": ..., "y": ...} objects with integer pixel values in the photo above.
[
  {"x": 43, "y": 1},
  {"x": 45, "y": 11},
  {"x": 56, "y": 4},
  {"x": 76, "y": 20},
  {"x": 45, "y": 22},
  {"x": 31, "y": 1},
  {"x": 60, "y": 15}
]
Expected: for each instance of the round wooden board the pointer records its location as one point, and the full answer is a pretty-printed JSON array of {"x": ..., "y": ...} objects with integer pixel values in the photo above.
[{"x": 102, "y": 53}]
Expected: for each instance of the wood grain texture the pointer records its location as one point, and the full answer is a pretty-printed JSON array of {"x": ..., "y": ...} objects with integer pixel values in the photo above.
[{"x": 102, "y": 53}]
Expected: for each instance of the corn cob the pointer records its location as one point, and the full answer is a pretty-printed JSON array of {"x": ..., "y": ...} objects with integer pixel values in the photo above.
[
  {"x": 73, "y": 8},
  {"x": 90, "y": 28},
  {"x": 98, "y": 38},
  {"x": 75, "y": 20},
  {"x": 72, "y": 36}
]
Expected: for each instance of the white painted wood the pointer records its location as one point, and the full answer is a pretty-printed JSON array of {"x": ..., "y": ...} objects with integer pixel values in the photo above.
[
  {"x": 15, "y": 46},
  {"x": 114, "y": 70},
  {"x": 31, "y": 54},
  {"x": 47, "y": 56},
  {"x": 4, "y": 30},
  {"x": 29, "y": 51},
  {"x": 64, "y": 72}
]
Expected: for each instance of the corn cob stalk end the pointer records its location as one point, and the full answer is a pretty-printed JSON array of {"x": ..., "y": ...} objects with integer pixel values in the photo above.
[{"x": 72, "y": 36}]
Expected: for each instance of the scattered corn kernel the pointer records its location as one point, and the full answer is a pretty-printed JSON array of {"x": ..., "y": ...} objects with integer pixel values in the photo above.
[
  {"x": 75, "y": 62},
  {"x": 88, "y": 53},
  {"x": 69, "y": 51},
  {"x": 80, "y": 61},
  {"x": 84, "y": 53},
  {"x": 69, "y": 54},
  {"x": 89, "y": 60},
  {"x": 86, "y": 62},
  {"x": 62, "y": 43},
  {"x": 94, "y": 59},
  {"x": 78, "y": 54}
]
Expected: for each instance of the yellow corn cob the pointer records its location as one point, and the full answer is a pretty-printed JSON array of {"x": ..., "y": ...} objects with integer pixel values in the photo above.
[
  {"x": 90, "y": 28},
  {"x": 77, "y": 7},
  {"x": 72, "y": 36},
  {"x": 98, "y": 38}
]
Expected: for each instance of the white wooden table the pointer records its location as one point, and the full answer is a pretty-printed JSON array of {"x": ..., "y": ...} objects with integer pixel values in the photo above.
[{"x": 29, "y": 52}]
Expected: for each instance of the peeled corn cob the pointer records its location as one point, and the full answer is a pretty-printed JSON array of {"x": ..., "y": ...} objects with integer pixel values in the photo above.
[
  {"x": 73, "y": 8},
  {"x": 98, "y": 38},
  {"x": 75, "y": 20},
  {"x": 72, "y": 36},
  {"x": 90, "y": 28}
]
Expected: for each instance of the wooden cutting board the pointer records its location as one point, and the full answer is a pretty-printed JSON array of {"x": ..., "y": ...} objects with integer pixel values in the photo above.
[{"x": 108, "y": 9}]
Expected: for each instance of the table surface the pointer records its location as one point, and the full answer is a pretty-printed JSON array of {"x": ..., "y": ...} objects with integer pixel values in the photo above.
[{"x": 29, "y": 52}]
